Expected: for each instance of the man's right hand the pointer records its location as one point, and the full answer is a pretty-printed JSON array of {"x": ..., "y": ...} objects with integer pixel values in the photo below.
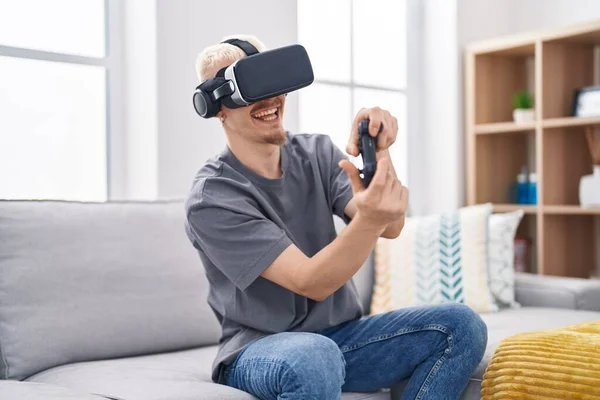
[{"x": 384, "y": 201}]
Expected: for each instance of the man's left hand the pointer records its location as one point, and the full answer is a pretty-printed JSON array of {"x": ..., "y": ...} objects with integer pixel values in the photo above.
[{"x": 376, "y": 117}]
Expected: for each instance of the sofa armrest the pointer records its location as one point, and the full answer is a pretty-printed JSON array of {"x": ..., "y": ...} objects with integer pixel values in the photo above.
[{"x": 557, "y": 292}]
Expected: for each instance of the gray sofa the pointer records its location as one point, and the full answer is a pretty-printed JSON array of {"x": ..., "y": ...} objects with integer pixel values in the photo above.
[{"x": 108, "y": 300}]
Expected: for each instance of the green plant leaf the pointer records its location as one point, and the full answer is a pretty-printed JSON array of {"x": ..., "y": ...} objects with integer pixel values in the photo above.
[{"x": 522, "y": 99}]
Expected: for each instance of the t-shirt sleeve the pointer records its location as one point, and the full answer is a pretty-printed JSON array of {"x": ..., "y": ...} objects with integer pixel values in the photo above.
[
  {"x": 240, "y": 243},
  {"x": 339, "y": 183}
]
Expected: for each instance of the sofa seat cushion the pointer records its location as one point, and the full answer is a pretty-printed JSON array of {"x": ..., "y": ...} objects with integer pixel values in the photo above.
[
  {"x": 509, "y": 322},
  {"x": 15, "y": 390},
  {"x": 181, "y": 375}
]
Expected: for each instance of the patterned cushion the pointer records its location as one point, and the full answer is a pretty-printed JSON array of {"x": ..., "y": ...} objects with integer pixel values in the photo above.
[
  {"x": 436, "y": 259},
  {"x": 502, "y": 230}
]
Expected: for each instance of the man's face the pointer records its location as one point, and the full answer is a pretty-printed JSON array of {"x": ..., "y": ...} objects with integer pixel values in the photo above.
[{"x": 259, "y": 122}]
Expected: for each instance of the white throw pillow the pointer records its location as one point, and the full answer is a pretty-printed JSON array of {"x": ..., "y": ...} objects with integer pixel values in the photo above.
[
  {"x": 501, "y": 256},
  {"x": 436, "y": 259}
]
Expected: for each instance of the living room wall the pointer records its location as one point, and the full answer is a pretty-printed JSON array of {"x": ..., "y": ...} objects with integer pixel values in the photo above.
[
  {"x": 165, "y": 141},
  {"x": 185, "y": 27}
]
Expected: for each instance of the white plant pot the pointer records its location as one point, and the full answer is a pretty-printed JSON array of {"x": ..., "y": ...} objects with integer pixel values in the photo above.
[
  {"x": 521, "y": 115},
  {"x": 589, "y": 189}
]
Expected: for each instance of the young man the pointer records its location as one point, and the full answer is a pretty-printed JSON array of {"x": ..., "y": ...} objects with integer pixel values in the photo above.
[{"x": 260, "y": 214}]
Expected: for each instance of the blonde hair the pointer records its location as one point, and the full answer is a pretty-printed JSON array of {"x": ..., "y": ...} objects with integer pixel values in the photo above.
[{"x": 217, "y": 56}]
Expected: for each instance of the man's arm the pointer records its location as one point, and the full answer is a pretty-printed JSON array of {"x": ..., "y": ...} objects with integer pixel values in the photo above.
[{"x": 319, "y": 276}]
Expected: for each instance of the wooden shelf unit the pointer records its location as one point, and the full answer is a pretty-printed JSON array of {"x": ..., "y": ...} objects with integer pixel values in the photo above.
[
  {"x": 504, "y": 127},
  {"x": 569, "y": 122},
  {"x": 550, "y": 64},
  {"x": 514, "y": 207}
]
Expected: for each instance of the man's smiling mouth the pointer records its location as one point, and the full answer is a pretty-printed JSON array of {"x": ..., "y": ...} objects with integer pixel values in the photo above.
[{"x": 267, "y": 114}]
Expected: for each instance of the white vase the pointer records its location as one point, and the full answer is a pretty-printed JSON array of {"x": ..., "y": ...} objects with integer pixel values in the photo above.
[
  {"x": 521, "y": 115},
  {"x": 589, "y": 189}
]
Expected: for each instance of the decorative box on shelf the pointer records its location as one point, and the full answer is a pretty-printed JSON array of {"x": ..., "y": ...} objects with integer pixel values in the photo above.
[
  {"x": 589, "y": 189},
  {"x": 589, "y": 185}
]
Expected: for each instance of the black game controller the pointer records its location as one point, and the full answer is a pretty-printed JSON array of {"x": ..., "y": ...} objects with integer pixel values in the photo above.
[{"x": 367, "y": 147}]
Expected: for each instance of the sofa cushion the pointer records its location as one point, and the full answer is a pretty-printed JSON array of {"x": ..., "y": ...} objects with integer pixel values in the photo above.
[
  {"x": 438, "y": 258},
  {"x": 90, "y": 281},
  {"x": 502, "y": 228},
  {"x": 508, "y": 322},
  {"x": 182, "y": 375},
  {"x": 527, "y": 319},
  {"x": 15, "y": 390}
]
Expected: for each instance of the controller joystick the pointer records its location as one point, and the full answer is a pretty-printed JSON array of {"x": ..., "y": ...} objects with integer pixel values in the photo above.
[{"x": 367, "y": 146}]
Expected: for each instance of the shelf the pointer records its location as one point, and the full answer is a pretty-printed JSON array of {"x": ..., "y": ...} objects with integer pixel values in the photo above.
[
  {"x": 548, "y": 209},
  {"x": 512, "y": 127},
  {"x": 587, "y": 33},
  {"x": 570, "y": 210},
  {"x": 569, "y": 121},
  {"x": 504, "y": 127},
  {"x": 514, "y": 207},
  {"x": 518, "y": 45}
]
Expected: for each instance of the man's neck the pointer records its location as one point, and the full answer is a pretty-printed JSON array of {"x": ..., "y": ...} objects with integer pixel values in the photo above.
[{"x": 262, "y": 158}]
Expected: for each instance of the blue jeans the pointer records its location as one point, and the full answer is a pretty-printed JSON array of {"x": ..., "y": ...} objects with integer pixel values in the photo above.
[{"x": 436, "y": 347}]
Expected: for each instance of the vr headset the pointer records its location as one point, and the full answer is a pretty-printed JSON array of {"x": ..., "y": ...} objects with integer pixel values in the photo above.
[{"x": 256, "y": 77}]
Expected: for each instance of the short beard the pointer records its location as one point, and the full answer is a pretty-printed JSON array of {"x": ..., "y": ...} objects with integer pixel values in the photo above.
[{"x": 277, "y": 138}]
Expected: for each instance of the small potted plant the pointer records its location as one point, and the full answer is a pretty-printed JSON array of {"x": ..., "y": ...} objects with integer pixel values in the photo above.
[{"x": 523, "y": 107}]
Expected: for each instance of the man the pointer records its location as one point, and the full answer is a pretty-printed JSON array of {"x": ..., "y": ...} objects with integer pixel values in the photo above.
[{"x": 260, "y": 215}]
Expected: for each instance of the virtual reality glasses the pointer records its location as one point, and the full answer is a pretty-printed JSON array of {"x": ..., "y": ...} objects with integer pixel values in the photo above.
[{"x": 256, "y": 77}]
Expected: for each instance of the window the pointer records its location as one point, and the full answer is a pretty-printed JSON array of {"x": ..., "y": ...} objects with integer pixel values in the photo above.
[
  {"x": 54, "y": 86},
  {"x": 358, "y": 52}
]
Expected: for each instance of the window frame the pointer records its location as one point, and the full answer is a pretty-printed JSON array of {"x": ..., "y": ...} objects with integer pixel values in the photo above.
[
  {"x": 409, "y": 91},
  {"x": 112, "y": 64}
]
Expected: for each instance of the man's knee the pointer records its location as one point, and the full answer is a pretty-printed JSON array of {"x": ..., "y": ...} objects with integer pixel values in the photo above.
[
  {"x": 310, "y": 362},
  {"x": 468, "y": 328},
  {"x": 314, "y": 354}
]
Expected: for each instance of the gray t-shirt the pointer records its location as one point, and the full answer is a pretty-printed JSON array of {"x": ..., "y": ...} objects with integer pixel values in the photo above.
[{"x": 240, "y": 222}]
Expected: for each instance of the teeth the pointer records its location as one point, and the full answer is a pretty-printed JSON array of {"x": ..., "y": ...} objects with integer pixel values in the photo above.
[{"x": 265, "y": 112}]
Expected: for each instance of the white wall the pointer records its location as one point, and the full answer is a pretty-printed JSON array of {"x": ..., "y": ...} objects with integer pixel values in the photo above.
[
  {"x": 140, "y": 81},
  {"x": 440, "y": 108},
  {"x": 482, "y": 19},
  {"x": 542, "y": 14},
  {"x": 184, "y": 28}
]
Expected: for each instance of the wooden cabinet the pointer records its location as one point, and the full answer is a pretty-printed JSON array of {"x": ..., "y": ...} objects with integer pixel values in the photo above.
[{"x": 551, "y": 65}]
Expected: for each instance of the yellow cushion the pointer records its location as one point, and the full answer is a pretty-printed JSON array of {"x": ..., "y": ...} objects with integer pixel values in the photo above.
[{"x": 562, "y": 363}]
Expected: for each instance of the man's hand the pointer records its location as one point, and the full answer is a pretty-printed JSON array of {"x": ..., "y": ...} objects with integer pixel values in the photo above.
[
  {"x": 384, "y": 201},
  {"x": 377, "y": 118}
]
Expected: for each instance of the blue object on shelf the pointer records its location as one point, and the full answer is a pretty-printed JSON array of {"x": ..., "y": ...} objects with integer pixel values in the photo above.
[
  {"x": 532, "y": 188},
  {"x": 522, "y": 189}
]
